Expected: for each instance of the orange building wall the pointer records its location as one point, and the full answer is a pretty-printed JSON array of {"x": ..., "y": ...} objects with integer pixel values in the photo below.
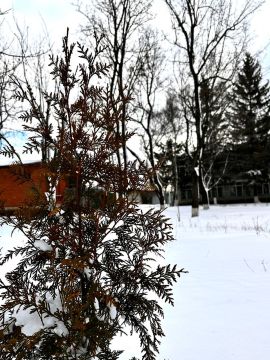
[{"x": 14, "y": 190}]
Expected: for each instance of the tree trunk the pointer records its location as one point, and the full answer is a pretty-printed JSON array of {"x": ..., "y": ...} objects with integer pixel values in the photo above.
[
  {"x": 195, "y": 194},
  {"x": 255, "y": 193},
  {"x": 176, "y": 188},
  {"x": 159, "y": 191},
  {"x": 204, "y": 194}
]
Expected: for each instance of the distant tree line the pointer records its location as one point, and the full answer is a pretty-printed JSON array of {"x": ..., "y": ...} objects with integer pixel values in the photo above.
[
  {"x": 238, "y": 145},
  {"x": 194, "y": 66}
]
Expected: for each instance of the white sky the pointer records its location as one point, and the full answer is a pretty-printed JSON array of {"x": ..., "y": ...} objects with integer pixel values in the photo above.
[
  {"x": 37, "y": 15},
  {"x": 58, "y": 14}
]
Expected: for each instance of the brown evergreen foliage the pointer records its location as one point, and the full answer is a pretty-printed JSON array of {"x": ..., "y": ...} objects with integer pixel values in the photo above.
[{"x": 87, "y": 269}]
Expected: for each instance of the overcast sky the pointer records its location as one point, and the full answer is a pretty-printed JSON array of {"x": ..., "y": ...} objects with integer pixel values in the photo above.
[{"x": 58, "y": 14}]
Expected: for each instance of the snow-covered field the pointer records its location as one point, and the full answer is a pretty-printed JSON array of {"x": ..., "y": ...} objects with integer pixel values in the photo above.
[{"x": 222, "y": 305}]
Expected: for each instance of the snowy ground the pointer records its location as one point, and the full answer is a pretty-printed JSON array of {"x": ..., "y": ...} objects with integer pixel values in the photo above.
[{"x": 222, "y": 305}]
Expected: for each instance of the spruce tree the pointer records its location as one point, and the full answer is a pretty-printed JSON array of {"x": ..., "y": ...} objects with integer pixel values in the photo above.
[
  {"x": 250, "y": 123},
  {"x": 87, "y": 270},
  {"x": 250, "y": 104}
]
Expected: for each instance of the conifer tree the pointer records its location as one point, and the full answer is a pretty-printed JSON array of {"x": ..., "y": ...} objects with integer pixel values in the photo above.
[
  {"x": 250, "y": 123},
  {"x": 250, "y": 110},
  {"x": 87, "y": 269}
]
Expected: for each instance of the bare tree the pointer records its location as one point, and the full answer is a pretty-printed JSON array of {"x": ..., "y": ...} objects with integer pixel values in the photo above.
[
  {"x": 21, "y": 63},
  {"x": 8, "y": 65},
  {"x": 209, "y": 37},
  {"x": 215, "y": 131},
  {"x": 7, "y": 105},
  {"x": 118, "y": 21},
  {"x": 173, "y": 121},
  {"x": 149, "y": 83}
]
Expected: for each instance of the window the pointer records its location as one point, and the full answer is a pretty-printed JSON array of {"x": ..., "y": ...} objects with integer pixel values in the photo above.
[
  {"x": 233, "y": 190},
  {"x": 186, "y": 194},
  {"x": 265, "y": 189},
  {"x": 213, "y": 192},
  {"x": 259, "y": 189},
  {"x": 220, "y": 192},
  {"x": 248, "y": 190},
  {"x": 239, "y": 190}
]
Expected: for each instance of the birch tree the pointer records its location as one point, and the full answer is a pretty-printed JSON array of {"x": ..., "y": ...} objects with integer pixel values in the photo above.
[
  {"x": 119, "y": 22},
  {"x": 209, "y": 37},
  {"x": 148, "y": 86}
]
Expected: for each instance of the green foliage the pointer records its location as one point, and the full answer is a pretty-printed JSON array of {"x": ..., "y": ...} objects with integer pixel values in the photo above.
[{"x": 87, "y": 271}]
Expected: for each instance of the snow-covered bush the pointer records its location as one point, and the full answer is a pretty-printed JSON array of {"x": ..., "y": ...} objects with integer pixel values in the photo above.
[{"x": 88, "y": 271}]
